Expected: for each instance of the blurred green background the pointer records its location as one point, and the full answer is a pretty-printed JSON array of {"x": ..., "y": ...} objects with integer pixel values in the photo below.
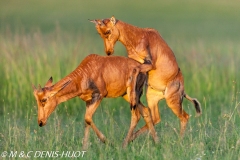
[
  {"x": 200, "y": 19},
  {"x": 39, "y": 39}
]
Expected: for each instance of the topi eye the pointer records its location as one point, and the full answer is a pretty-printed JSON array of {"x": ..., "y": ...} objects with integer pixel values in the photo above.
[
  {"x": 107, "y": 32},
  {"x": 43, "y": 100}
]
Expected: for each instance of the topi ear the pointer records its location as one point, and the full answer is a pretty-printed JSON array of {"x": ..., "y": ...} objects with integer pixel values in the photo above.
[
  {"x": 113, "y": 20},
  {"x": 49, "y": 82}
]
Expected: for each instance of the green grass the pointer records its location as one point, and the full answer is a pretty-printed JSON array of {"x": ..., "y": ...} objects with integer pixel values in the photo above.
[{"x": 39, "y": 39}]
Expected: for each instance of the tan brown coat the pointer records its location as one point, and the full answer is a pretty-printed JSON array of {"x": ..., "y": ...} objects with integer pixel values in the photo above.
[
  {"x": 95, "y": 78},
  {"x": 146, "y": 46}
]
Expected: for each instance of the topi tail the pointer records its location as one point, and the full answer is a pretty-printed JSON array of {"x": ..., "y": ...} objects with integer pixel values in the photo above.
[{"x": 196, "y": 104}]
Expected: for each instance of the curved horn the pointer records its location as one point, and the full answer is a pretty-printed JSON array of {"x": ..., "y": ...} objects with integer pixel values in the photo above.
[
  {"x": 96, "y": 21},
  {"x": 100, "y": 22},
  {"x": 34, "y": 88}
]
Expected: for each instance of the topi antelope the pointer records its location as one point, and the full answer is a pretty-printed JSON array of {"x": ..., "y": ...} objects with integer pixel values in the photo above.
[
  {"x": 165, "y": 79},
  {"x": 95, "y": 78}
]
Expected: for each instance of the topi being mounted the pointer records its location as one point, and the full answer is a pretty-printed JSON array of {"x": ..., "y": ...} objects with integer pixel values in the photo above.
[{"x": 95, "y": 78}]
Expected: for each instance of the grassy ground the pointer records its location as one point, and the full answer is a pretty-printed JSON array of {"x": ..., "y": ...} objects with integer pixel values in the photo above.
[{"x": 39, "y": 39}]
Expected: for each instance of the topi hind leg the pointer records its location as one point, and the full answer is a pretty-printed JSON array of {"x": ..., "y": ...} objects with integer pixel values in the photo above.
[
  {"x": 174, "y": 97},
  {"x": 153, "y": 97},
  {"x": 146, "y": 113},
  {"x": 176, "y": 107},
  {"x": 134, "y": 120}
]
